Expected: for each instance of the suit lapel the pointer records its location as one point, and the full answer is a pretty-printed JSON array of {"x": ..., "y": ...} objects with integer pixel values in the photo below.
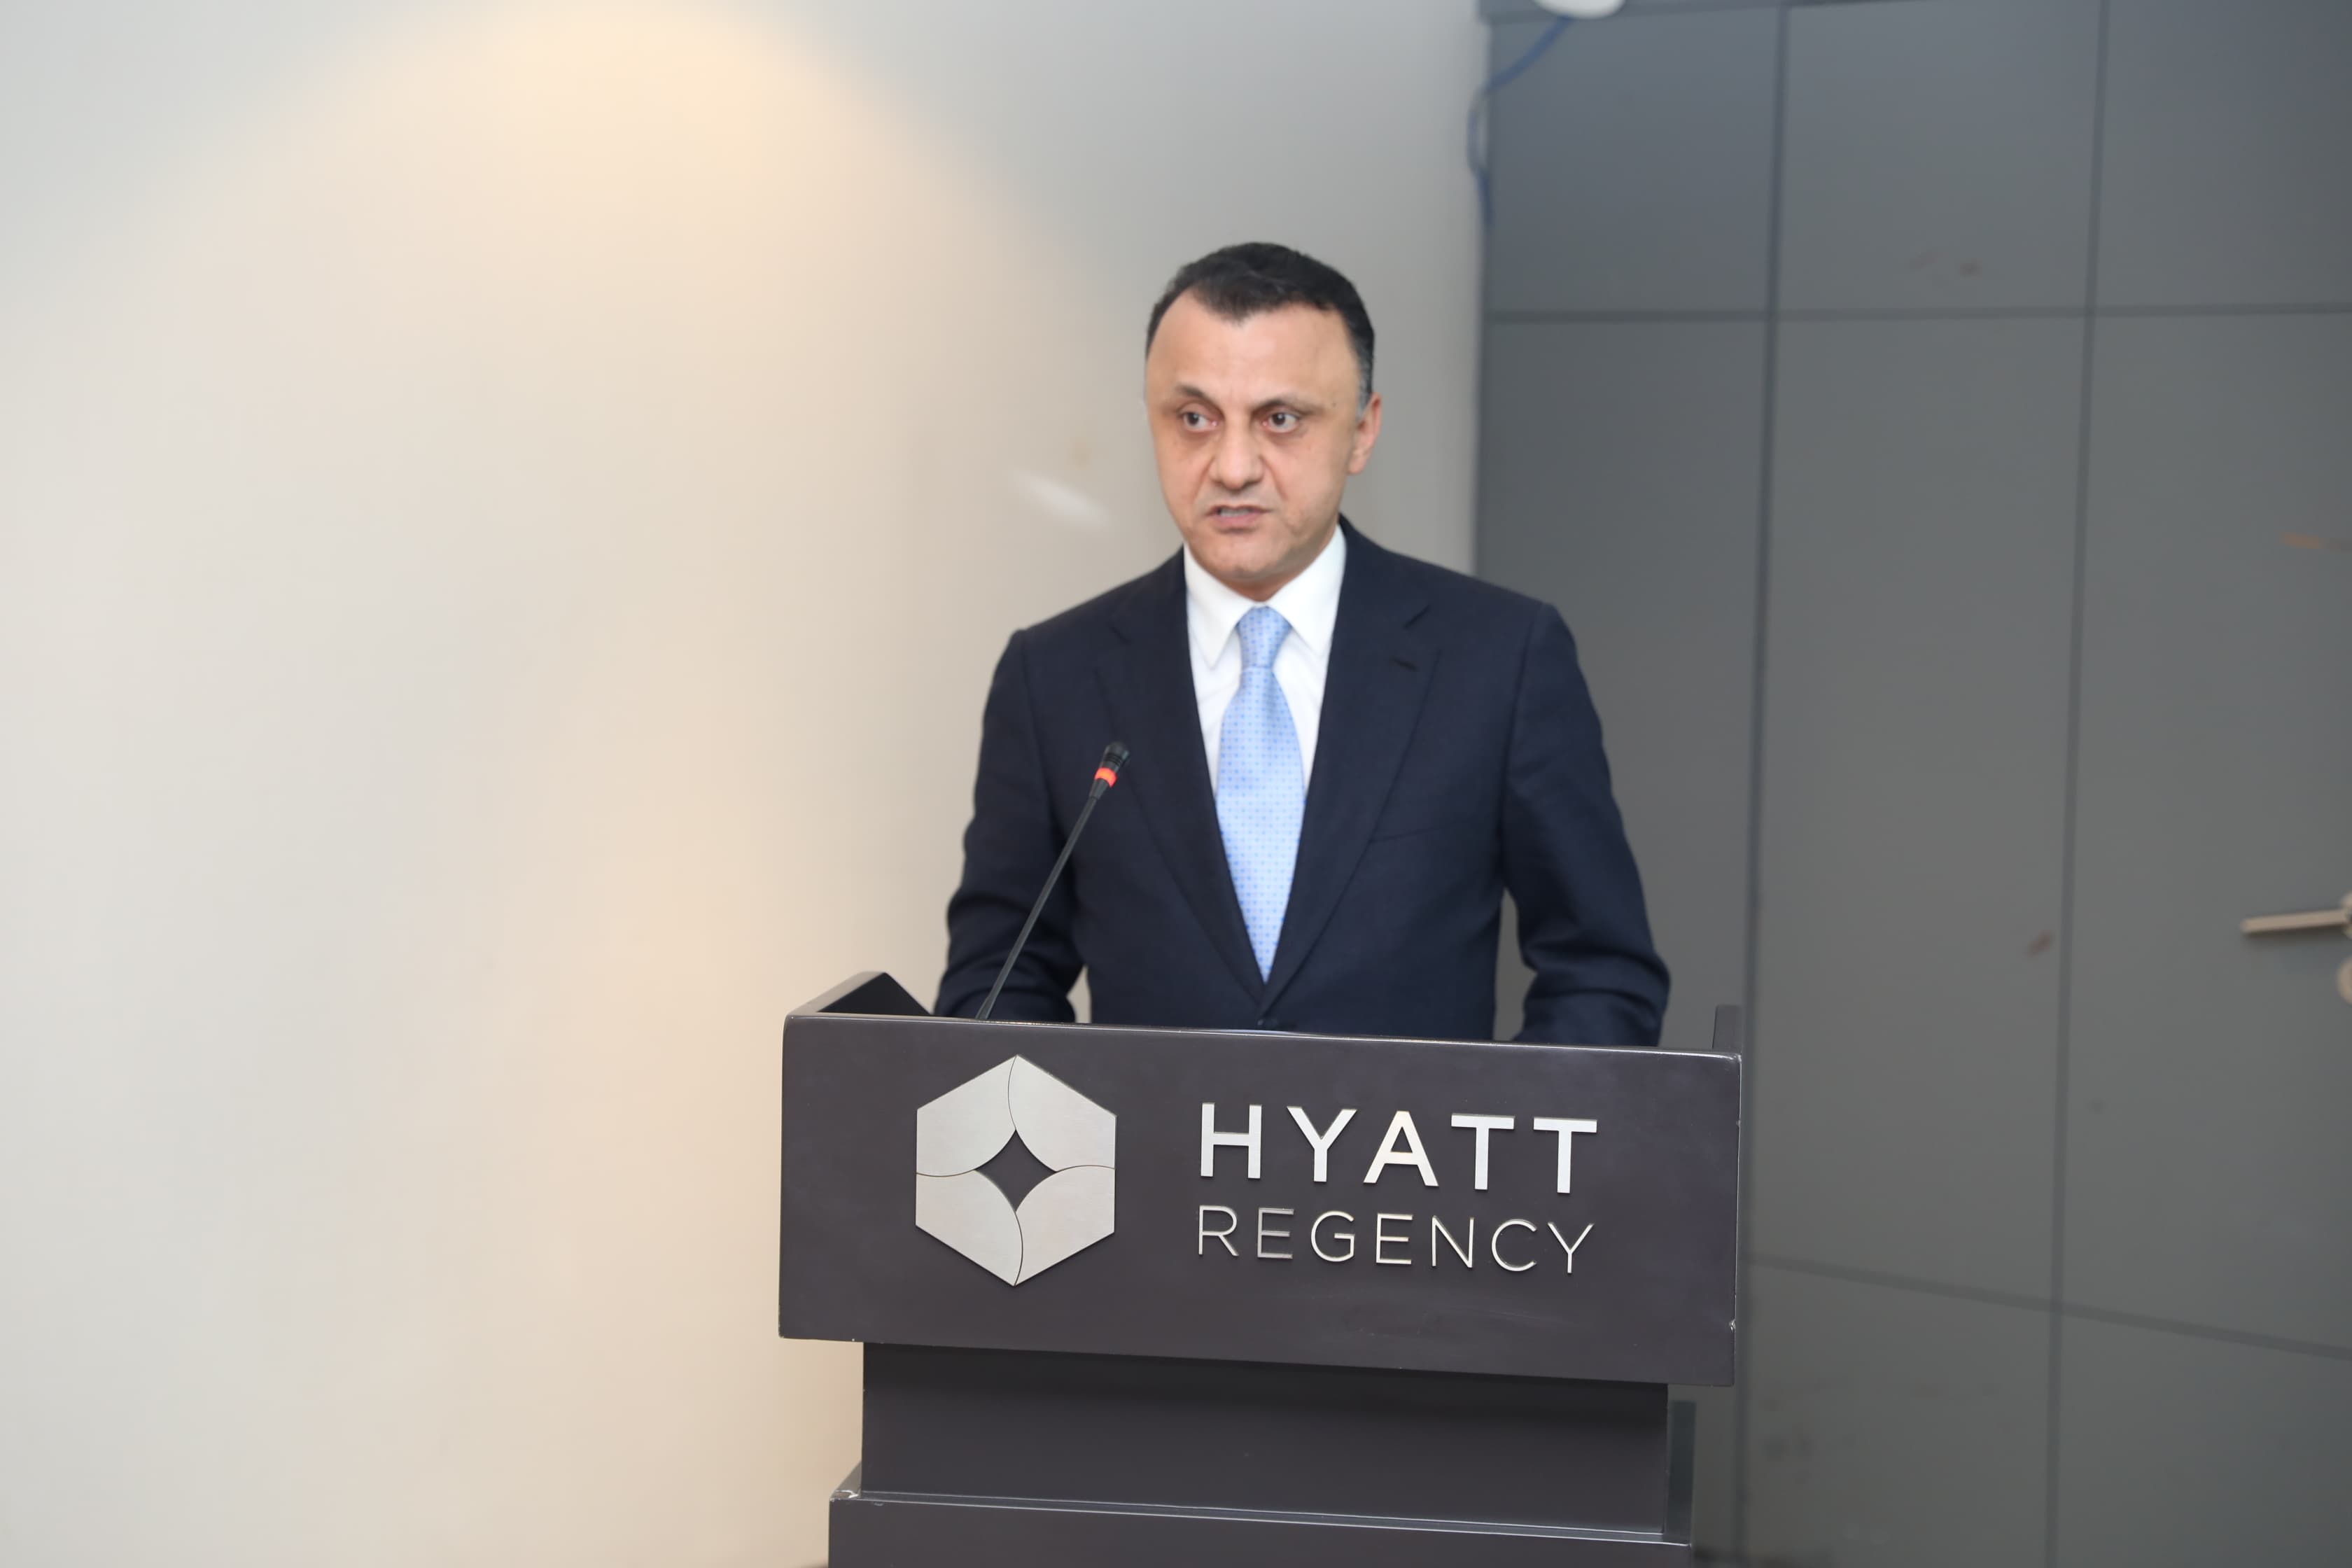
[
  {"x": 1373, "y": 691},
  {"x": 1147, "y": 683}
]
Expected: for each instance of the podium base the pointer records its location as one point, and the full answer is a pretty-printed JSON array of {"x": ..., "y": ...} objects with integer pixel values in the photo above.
[
  {"x": 886, "y": 1530},
  {"x": 984, "y": 1458}
]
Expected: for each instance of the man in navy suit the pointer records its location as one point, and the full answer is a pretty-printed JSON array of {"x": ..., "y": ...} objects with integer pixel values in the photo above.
[{"x": 1341, "y": 756}]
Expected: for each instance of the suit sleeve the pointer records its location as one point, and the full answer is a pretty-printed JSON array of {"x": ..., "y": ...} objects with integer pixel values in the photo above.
[
  {"x": 1007, "y": 851},
  {"x": 1584, "y": 928}
]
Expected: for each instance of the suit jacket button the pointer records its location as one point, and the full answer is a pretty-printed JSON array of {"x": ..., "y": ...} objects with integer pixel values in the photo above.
[{"x": 1269, "y": 1023}]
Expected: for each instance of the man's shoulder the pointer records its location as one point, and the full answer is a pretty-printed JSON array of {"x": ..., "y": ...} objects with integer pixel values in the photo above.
[
  {"x": 1092, "y": 623},
  {"x": 1456, "y": 598}
]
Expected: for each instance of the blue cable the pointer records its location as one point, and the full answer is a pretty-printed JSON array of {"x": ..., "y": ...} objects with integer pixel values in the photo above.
[{"x": 1495, "y": 84}]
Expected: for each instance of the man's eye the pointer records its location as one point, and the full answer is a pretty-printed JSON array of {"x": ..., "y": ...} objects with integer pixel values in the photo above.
[
  {"x": 1282, "y": 420},
  {"x": 1194, "y": 419}
]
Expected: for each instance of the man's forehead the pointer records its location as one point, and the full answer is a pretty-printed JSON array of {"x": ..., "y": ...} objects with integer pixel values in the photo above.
[{"x": 1214, "y": 353}]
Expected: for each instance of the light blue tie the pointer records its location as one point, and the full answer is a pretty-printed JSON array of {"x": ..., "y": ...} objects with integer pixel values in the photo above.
[{"x": 1261, "y": 785}]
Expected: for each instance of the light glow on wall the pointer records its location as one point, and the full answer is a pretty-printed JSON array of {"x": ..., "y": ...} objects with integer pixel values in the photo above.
[{"x": 503, "y": 535}]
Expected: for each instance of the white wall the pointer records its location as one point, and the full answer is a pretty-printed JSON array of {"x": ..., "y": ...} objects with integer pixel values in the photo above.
[{"x": 505, "y": 517}]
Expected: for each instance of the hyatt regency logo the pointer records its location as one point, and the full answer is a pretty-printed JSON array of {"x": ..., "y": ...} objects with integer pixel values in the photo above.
[{"x": 1012, "y": 1106}]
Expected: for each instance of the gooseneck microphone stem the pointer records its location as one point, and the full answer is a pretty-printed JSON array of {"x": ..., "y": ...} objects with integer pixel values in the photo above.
[
  {"x": 1038, "y": 908},
  {"x": 1114, "y": 757}
]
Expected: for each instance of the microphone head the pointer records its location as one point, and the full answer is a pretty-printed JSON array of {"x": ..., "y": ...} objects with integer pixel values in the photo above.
[{"x": 1114, "y": 758}]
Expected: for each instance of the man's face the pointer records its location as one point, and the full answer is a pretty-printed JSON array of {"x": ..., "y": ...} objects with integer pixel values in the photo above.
[{"x": 1255, "y": 427}]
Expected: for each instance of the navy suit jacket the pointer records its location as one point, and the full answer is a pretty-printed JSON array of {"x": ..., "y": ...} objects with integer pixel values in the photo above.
[{"x": 1459, "y": 756}]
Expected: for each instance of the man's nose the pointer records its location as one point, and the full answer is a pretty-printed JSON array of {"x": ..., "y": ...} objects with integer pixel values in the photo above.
[{"x": 1236, "y": 466}]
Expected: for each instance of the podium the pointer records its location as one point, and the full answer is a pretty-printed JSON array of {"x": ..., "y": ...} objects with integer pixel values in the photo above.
[{"x": 1162, "y": 1298}]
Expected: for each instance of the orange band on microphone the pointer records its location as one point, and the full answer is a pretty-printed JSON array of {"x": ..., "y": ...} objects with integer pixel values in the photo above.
[{"x": 1106, "y": 776}]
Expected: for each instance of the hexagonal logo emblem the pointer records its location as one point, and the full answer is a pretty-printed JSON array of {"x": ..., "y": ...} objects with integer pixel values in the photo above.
[{"x": 971, "y": 1125}]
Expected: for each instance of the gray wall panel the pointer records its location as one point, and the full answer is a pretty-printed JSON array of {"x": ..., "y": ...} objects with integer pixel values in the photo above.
[
  {"x": 1912, "y": 931},
  {"x": 1631, "y": 166},
  {"x": 1620, "y": 483},
  {"x": 2208, "y": 1166},
  {"x": 1939, "y": 155},
  {"x": 1892, "y": 1428},
  {"x": 2182, "y": 1450},
  {"x": 1914, "y": 797},
  {"x": 2228, "y": 135}
]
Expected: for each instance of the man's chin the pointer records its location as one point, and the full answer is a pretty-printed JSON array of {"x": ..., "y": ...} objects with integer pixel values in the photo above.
[{"x": 1240, "y": 569}]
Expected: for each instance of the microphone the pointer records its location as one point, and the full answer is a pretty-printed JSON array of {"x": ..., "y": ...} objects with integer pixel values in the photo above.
[{"x": 1114, "y": 758}]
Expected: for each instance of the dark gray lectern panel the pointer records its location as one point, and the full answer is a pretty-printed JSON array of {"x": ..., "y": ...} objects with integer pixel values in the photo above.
[
  {"x": 1599, "y": 1244},
  {"x": 1327, "y": 1441},
  {"x": 876, "y": 1529}
]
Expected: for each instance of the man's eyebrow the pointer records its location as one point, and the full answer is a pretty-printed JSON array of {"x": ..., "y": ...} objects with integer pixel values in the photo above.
[{"x": 1298, "y": 401}]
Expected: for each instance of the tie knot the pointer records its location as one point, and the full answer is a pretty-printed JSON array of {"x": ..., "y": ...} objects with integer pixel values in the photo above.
[{"x": 1262, "y": 631}]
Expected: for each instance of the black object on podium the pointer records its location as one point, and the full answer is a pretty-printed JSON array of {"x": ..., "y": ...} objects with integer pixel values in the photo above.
[{"x": 1161, "y": 1298}]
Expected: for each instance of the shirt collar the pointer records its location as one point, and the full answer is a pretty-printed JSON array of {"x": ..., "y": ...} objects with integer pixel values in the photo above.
[{"x": 1309, "y": 601}]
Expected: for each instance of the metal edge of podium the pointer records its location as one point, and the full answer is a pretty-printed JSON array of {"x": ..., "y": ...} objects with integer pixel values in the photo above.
[{"x": 887, "y": 1530}]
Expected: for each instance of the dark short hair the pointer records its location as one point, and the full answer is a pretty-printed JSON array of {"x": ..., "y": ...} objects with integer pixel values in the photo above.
[{"x": 1244, "y": 281}]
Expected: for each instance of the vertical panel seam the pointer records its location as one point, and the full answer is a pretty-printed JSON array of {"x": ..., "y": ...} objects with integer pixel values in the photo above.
[
  {"x": 1767, "y": 435},
  {"x": 2066, "y": 876},
  {"x": 1480, "y": 445}
]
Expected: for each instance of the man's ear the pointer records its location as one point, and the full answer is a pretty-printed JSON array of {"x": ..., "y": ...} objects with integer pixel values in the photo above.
[{"x": 1368, "y": 432}]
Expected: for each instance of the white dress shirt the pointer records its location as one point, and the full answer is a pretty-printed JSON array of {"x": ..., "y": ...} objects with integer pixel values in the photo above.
[{"x": 1309, "y": 601}]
